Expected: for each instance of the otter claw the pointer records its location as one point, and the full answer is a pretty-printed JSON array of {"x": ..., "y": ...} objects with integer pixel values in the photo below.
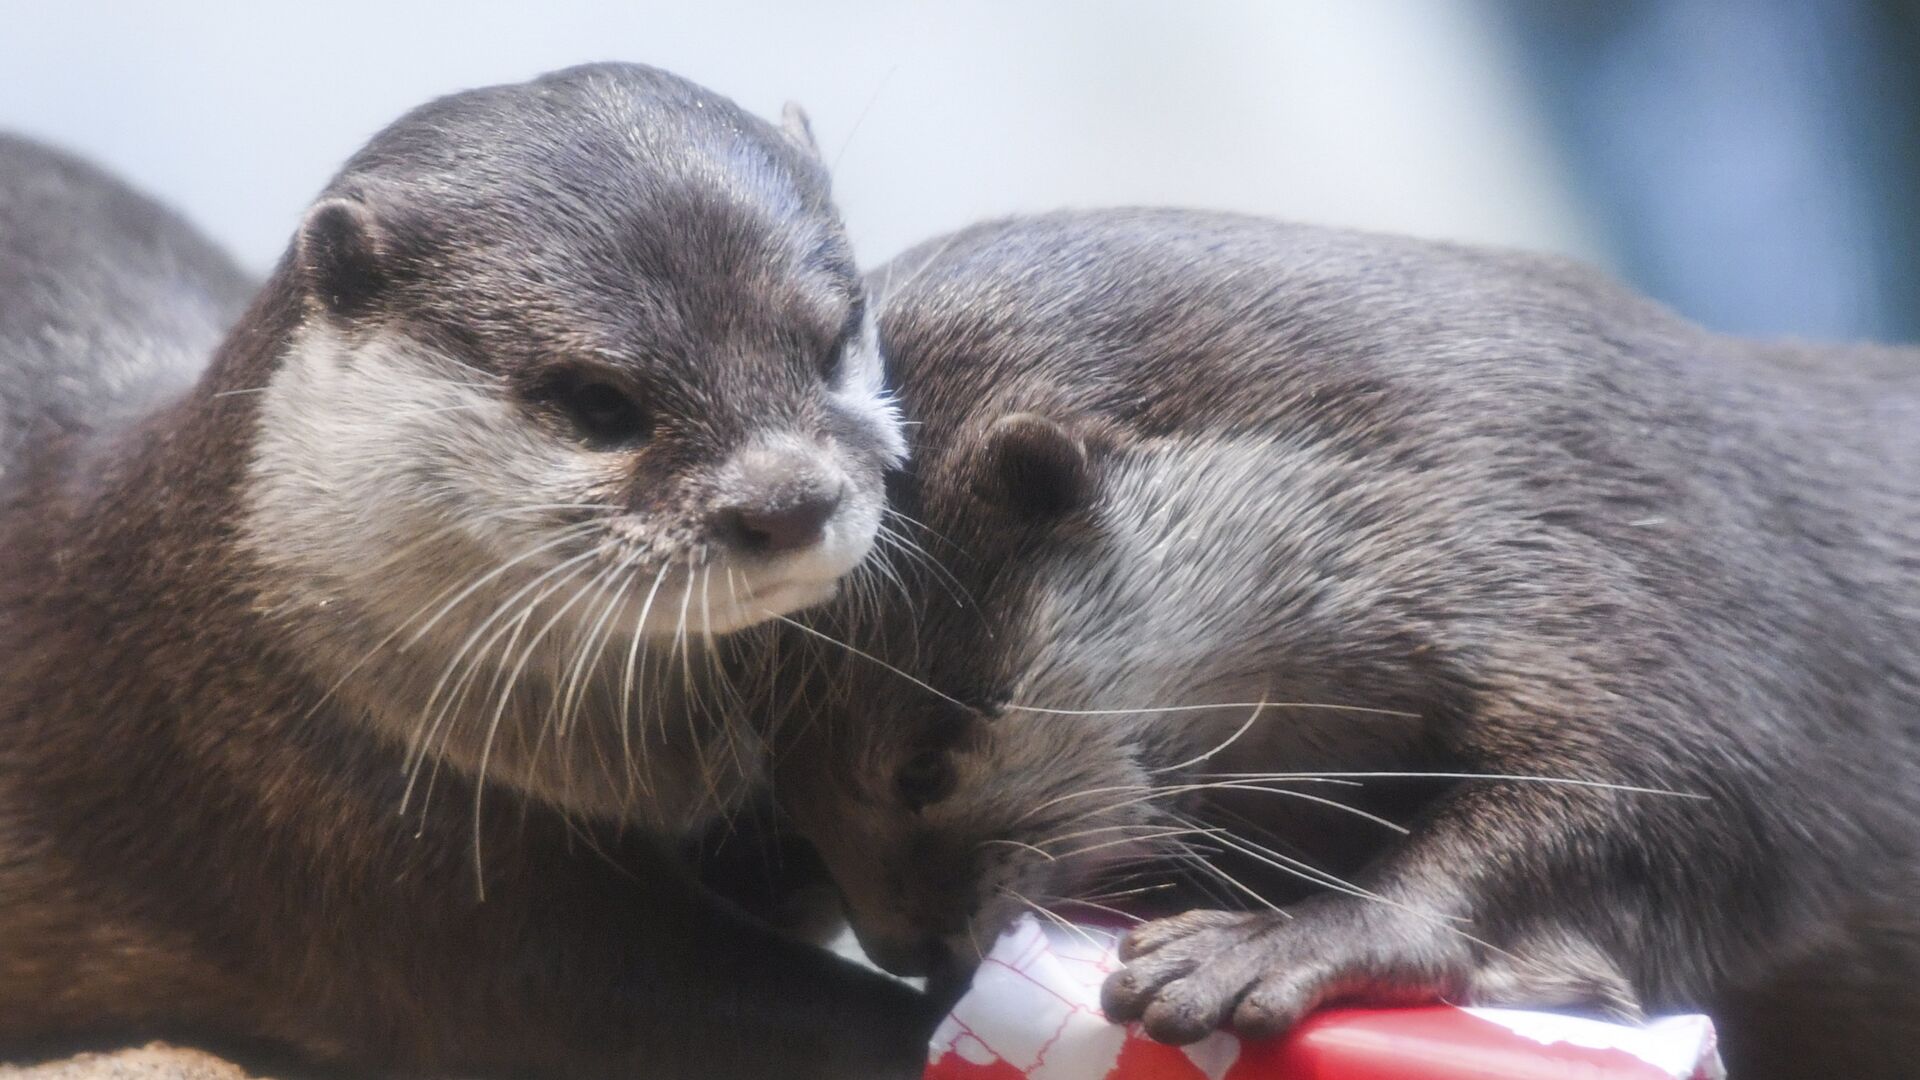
[{"x": 1263, "y": 972}]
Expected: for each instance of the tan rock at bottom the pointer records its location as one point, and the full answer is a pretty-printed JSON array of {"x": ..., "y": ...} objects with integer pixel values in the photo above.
[{"x": 154, "y": 1061}]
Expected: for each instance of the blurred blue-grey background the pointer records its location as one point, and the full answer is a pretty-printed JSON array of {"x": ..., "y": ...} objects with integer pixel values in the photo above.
[{"x": 1751, "y": 162}]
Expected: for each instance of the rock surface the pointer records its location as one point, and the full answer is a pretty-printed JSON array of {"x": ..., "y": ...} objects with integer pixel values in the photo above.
[{"x": 154, "y": 1061}]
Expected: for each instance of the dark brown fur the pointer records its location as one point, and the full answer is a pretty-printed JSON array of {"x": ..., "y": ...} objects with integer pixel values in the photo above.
[{"x": 200, "y": 841}]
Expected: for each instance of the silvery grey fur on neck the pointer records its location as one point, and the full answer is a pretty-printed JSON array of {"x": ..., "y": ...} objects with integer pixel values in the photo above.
[
  {"x": 297, "y": 755},
  {"x": 1399, "y": 507}
]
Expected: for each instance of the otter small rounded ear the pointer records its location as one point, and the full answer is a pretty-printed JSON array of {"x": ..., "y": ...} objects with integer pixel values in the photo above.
[
  {"x": 798, "y": 129},
  {"x": 342, "y": 253},
  {"x": 1033, "y": 466}
]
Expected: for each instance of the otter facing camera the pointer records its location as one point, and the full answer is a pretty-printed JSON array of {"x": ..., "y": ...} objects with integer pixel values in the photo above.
[
  {"x": 1033, "y": 466},
  {"x": 342, "y": 255}
]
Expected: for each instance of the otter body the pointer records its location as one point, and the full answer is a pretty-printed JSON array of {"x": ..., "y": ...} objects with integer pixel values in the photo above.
[
  {"x": 362, "y": 683},
  {"x": 1610, "y": 625},
  {"x": 109, "y": 303}
]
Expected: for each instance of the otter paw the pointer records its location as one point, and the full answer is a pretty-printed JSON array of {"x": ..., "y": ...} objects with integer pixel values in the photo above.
[{"x": 1262, "y": 972}]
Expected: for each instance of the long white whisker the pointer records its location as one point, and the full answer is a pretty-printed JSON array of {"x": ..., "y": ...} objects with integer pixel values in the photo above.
[
  {"x": 566, "y": 534},
  {"x": 1097, "y": 906},
  {"x": 493, "y": 729},
  {"x": 482, "y": 580},
  {"x": 1022, "y": 844},
  {"x": 1056, "y": 919},
  {"x": 1157, "y": 709},
  {"x": 1122, "y": 894},
  {"x": 1123, "y": 789},
  {"x": 930, "y": 531},
  {"x": 1078, "y": 833},
  {"x": 566, "y": 704},
  {"x": 1220, "y": 875},
  {"x": 1298, "y": 868},
  {"x": 424, "y": 732},
  {"x": 500, "y": 611},
  {"x": 1230, "y": 740},
  {"x": 1569, "y": 782},
  {"x": 1183, "y": 789},
  {"x": 630, "y": 693},
  {"x": 1170, "y": 833},
  {"x": 898, "y": 541},
  {"x": 803, "y": 628}
]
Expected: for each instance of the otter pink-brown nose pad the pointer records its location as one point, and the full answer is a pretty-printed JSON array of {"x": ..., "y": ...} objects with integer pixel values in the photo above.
[{"x": 772, "y": 529}]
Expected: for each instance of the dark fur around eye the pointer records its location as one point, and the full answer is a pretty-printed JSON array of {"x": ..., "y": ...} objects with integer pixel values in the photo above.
[
  {"x": 606, "y": 416},
  {"x": 925, "y": 779},
  {"x": 834, "y": 360}
]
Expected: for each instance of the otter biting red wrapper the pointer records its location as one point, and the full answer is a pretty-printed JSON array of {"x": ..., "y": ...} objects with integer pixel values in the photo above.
[{"x": 1033, "y": 1011}]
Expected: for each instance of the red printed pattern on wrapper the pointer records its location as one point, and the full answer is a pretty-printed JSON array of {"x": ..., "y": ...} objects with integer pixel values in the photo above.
[
  {"x": 1033, "y": 1015},
  {"x": 1354, "y": 1044},
  {"x": 1442, "y": 1042}
]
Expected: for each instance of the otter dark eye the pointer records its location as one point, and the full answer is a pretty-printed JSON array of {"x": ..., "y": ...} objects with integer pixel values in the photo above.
[
  {"x": 925, "y": 779},
  {"x": 605, "y": 415},
  {"x": 834, "y": 360}
]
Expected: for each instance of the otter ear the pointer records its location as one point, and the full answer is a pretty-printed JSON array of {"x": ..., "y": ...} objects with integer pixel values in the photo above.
[
  {"x": 343, "y": 253},
  {"x": 1034, "y": 467},
  {"x": 798, "y": 129}
]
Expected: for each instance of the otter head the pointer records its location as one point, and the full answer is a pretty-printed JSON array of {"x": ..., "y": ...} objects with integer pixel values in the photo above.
[
  {"x": 583, "y": 374},
  {"x": 1183, "y": 511},
  {"x": 985, "y": 761}
]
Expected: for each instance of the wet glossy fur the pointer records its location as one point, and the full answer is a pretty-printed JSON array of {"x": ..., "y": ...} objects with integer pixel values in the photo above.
[{"x": 1524, "y": 522}]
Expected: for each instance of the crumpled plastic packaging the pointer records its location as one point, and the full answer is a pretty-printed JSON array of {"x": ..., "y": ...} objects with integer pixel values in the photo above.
[{"x": 1033, "y": 1011}]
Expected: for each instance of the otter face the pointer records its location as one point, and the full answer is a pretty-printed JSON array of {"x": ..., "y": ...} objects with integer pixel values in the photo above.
[
  {"x": 944, "y": 824},
  {"x": 1031, "y": 766},
  {"x": 583, "y": 361},
  {"x": 607, "y": 328}
]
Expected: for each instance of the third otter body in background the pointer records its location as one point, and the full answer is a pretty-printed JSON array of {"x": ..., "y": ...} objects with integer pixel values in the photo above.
[{"x": 1393, "y": 507}]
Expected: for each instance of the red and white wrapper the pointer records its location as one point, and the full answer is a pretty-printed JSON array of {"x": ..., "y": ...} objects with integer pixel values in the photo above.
[{"x": 1034, "y": 1012}]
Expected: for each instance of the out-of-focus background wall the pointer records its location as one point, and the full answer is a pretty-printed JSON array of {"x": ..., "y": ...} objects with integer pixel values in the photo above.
[{"x": 1750, "y": 163}]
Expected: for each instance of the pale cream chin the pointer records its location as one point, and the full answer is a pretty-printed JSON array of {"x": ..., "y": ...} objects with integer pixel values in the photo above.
[
  {"x": 790, "y": 597},
  {"x": 801, "y": 581},
  {"x": 746, "y": 609}
]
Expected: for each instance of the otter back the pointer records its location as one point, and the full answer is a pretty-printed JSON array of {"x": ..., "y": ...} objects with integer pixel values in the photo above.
[
  {"x": 1532, "y": 644},
  {"x": 109, "y": 302}
]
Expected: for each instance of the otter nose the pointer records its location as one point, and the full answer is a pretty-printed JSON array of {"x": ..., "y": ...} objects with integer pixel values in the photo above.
[{"x": 784, "y": 526}]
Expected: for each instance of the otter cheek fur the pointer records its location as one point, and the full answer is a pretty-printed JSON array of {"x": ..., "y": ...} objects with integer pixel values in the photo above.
[
  {"x": 365, "y": 686},
  {"x": 1231, "y": 525},
  {"x": 540, "y": 435}
]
